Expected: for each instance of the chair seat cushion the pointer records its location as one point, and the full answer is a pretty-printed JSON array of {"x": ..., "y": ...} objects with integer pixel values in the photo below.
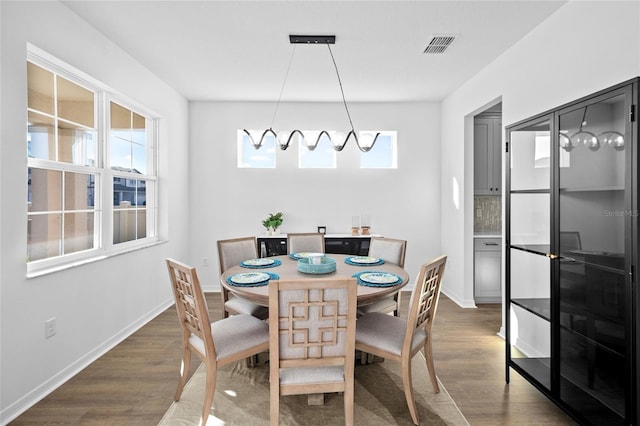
[
  {"x": 234, "y": 334},
  {"x": 387, "y": 304},
  {"x": 386, "y": 332},
  {"x": 243, "y": 306},
  {"x": 302, "y": 375}
]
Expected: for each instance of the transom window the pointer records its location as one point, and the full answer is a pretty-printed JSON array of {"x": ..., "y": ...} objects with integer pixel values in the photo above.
[
  {"x": 250, "y": 157},
  {"x": 383, "y": 155}
]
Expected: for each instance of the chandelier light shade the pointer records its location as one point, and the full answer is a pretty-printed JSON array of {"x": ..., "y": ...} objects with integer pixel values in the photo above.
[
  {"x": 566, "y": 143},
  {"x": 285, "y": 138},
  {"x": 612, "y": 138}
]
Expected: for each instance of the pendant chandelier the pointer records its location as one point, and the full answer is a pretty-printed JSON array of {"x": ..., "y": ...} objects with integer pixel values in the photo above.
[
  {"x": 610, "y": 138},
  {"x": 284, "y": 138}
]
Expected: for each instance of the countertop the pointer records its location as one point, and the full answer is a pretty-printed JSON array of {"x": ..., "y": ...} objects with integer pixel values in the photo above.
[{"x": 487, "y": 235}]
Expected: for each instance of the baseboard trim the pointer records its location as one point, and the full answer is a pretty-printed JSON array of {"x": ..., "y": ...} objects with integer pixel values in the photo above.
[
  {"x": 467, "y": 304},
  {"x": 40, "y": 392}
]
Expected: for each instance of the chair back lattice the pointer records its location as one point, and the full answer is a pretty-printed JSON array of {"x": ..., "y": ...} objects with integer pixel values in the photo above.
[
  {"x": 305, "y": 242},
  {"x": 389, "y": 249},
  {"x": 425, "y": 296},
  {"x": 315, "y": 320},
  {"x": 232, "y": 252},
  {"x": 190, "y": 303}
]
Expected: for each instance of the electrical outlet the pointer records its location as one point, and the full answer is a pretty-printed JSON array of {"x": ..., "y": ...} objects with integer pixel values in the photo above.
[
  {"x": 50, "y": 327},
  {"x": 205, "y": 261}
]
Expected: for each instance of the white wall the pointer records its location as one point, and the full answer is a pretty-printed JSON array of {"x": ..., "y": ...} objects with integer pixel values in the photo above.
[
  {"x": 229, "y": 202},
  {"x": 100, "y": 303},
  {"x": 544, "y": 70}
]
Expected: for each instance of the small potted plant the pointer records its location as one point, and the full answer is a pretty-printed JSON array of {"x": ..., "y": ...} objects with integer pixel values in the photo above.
[
  {"x": 267, "y": 226},
  {"x": 276, "y": 221},
  {"x": 272, "y": 223}
]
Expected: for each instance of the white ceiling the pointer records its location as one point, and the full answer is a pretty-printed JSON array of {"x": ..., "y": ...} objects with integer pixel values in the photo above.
[{"x": 239, "y": 50}]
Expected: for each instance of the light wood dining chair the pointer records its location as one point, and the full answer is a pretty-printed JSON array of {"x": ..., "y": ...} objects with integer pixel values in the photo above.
[
  {"x": 216, "y": 344},
  {"x": 392, "y": 251},
  {"x": 312, "y": 242},
  {"x": 312, "y": 338},
  {"x": 399, "y": 339},
  {"x": 230, "y": 253}
]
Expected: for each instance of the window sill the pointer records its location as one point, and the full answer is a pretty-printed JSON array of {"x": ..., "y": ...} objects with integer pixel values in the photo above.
[{"x": 73, "y": 264}]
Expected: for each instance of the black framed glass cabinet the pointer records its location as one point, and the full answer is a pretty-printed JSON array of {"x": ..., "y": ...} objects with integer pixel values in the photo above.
[{"x": 571, "y": 255}]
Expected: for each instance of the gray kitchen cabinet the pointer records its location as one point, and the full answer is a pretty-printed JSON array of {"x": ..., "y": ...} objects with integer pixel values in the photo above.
[
  {"x": 487, "y": 146},
  {"x": 487, "y": 270}
]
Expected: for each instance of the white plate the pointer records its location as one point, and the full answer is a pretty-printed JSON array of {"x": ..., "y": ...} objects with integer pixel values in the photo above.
[
  {"x": 307, "y": 254},
  {"x": 249, "y": 278},
  {"x": 258, "y": 262},
  {"x": 378, "y": 278},
  {"x": 365, "y": 260}
]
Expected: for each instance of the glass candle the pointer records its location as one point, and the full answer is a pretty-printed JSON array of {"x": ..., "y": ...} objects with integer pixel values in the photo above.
[{"x": 355, "y": 221}]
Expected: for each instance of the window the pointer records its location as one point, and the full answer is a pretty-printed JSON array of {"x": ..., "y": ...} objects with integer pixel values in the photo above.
[
  {"x": 383, "y": 155},
  {"x": 129, "y": 155},
  {"x": 250, "y": 157},
  {"x": 322, "y": 157},
  {"x": 542, "y": 150},
  {"x": 73, "y": 171}
]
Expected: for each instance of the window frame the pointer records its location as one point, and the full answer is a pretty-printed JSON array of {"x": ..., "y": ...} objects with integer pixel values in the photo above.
[
  {"x": 151, "y": 177},
  {"x": 103, "y": 246}
]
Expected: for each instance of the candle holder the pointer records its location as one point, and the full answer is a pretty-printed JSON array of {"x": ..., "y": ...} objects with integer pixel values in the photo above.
[
  {"x": 355, "y": 225},
  {"x": 366, "y": 224}
]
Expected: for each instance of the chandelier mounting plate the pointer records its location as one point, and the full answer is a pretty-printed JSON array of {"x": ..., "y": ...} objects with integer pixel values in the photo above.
[{"x": 312, "y": 39}]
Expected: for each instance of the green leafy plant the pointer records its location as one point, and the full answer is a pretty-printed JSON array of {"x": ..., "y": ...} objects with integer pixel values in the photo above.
[{"x": 273, "y": 221}]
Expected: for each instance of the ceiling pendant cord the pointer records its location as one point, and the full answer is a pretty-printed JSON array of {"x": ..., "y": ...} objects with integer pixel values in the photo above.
[
  {"x": 284, "y": 82},
  {"x": 258, "y": 144},
  {"x": 589, "y": 139},
  {"x": 285, "y": 138},
  {"x": 351, "y": 133}
]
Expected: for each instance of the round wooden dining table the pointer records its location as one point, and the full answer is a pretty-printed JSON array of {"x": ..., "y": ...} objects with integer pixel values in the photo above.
[{"x": 288, "y": 269}]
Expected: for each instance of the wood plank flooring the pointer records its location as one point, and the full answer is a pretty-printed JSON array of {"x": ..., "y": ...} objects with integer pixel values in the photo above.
[{"x": 134, "y": 383}]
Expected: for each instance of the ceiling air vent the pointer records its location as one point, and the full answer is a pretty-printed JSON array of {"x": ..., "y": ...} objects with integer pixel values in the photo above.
[{"x": 439, "y": 43}]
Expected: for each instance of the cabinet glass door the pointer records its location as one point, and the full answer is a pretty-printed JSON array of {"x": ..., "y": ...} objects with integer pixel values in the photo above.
[
  {"x": 529, "y": 234},
  {"x": 593, "y": 298}
]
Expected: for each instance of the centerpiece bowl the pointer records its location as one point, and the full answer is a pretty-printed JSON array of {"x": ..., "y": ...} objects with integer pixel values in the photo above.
[{"x": 326, "y": 266}]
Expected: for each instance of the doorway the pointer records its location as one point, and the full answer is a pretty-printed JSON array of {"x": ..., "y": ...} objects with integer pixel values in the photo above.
[{"x": 487, "y": 205}]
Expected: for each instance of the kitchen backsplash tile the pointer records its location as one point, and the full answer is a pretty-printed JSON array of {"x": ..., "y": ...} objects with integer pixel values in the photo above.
[{"x": 487, "y": 213}]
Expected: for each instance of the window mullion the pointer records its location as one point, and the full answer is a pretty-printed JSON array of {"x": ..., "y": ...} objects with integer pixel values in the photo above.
[
  {"x": 107, "y": 175},
  {"x": 55, "y": 118},
  {"x": 62, "y": 218}
]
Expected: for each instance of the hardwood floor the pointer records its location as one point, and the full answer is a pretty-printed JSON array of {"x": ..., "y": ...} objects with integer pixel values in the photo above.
[
  {"x": 470, "y": 362},
  {"x": 134, "y": 383}
]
